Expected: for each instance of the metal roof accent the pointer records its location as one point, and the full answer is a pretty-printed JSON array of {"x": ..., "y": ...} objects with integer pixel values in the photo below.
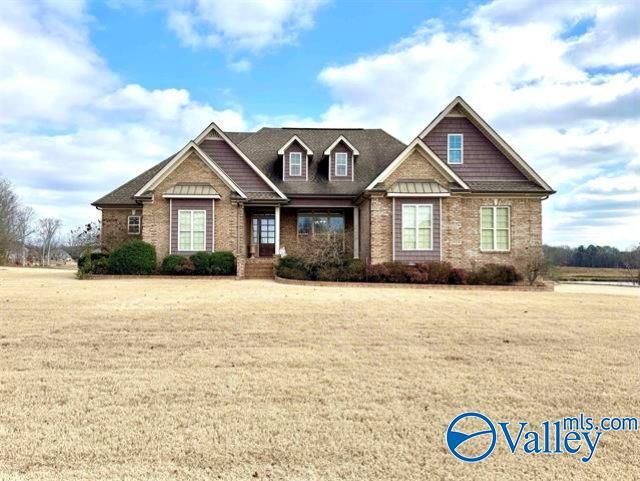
[
  {"x": 417, "y": 187},
  {"x": 192, "y": 190}
]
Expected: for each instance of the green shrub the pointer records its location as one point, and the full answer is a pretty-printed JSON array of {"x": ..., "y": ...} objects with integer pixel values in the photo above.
[
  {"x": 133, "y": 257},
  {"x": 495, "y": 275},
  {"x": 100, "y": 266},
  {"x": 222, "y": 263},
  {"x": 352, "y": 270},
  {"x": 292, "y": 273},
  {"x": 185, "y": 267},
  {"x": 287, "y": 265},
  {"x": 92, "y": 263},
  {"x": 170, "y": 263},
  {"x": 201, "y": 263}
]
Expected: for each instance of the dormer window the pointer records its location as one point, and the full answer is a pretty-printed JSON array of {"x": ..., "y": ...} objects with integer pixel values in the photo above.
[
  {"x": 342, "y": 159},
  {"x": 295, "y": 164},
  {"x": 454, "y": 149}
]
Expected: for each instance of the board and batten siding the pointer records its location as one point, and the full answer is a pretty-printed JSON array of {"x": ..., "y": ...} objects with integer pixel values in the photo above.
[
  {"x": 192, "y": 204},
  {"x": 295, "y": 147},
  {"x": 481, "y": 159},
  {"x": 234, "y": 166},
  {"x": 341, "y": 148},
  {"x": 435, "y": 254}
]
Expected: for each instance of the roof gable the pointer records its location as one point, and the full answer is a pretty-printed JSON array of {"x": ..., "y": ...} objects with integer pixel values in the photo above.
[
  {"x": 177, "y": 160},
  {"x": 293, "y": 139},
  {"x": 429, "y": 156},
  {"x": 213, "y": 132},
  {"x": 344, "y": 140},
  {"x": 459, "y": 107}
]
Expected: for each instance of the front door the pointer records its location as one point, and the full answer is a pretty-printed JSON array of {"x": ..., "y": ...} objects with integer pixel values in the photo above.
[{"x": 263, "y": 234}]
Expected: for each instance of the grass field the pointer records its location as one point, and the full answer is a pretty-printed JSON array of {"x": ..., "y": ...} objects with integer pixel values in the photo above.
[
  {"x": 222, "y": 379},
  {"x": 564, "y": 273}
]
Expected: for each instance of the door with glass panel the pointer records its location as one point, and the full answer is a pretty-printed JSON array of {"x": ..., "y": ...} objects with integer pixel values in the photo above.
[{"x": 263, "y": 234}]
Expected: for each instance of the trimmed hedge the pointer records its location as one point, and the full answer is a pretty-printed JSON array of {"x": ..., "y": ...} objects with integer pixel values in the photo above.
[
  {"x": 222, "y": 263},
  {"x": 170, "y": 263},
  {"x": 435, "y": 272},
  {"x": 132, "y": 257}
]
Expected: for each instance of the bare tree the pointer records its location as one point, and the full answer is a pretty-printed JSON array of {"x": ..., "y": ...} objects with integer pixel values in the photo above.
[
  {"x": 24, "y": 228},
  {"x": 82, "y": 238},
  {"x": 632, "y": 264},
  {"x": 47, "y": 230},
  {"x": 9, "y": 206}
]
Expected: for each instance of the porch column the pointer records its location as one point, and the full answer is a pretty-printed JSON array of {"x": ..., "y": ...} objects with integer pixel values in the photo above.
[
  {"x": 277, "y": 229},
  {"x": 356, "y": 233}
]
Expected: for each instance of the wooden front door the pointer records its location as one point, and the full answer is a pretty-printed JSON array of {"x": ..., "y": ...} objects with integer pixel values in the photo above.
[{"x": 263, "y": 234}]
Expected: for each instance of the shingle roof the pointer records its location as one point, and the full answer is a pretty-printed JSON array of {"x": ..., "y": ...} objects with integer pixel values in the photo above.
[
  {"x": 524, "y": 186},
  {"x": 377, "y": 149},
  {"x": 417, "y": 187},
  {"x": 123, "y": 195}
]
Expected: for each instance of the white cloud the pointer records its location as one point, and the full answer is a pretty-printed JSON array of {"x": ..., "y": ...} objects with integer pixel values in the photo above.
[
  {"x": 242, "y": 65},
  {"x": 70, "y": 130},
  {"x": 242, "y": 24},
  {"x": 527, "y": 67}
]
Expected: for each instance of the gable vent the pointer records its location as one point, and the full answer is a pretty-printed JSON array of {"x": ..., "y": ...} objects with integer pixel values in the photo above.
[{"x": 213, "y": 135}]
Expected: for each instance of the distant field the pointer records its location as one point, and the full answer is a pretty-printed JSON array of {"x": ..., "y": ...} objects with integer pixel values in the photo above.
[
  {"x": 590, "y": 274},
  {"x": 163, "y": 379}
]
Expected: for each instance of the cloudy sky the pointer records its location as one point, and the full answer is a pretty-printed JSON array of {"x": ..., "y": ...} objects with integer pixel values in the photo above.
[{"x": 92, "y": 94}]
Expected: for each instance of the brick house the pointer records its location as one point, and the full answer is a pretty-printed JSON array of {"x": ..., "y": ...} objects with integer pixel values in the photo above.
[{"x": 457, "y": 192}]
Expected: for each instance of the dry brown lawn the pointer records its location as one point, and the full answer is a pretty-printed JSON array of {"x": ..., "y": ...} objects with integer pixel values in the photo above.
[{"x": 223, "y": 379}]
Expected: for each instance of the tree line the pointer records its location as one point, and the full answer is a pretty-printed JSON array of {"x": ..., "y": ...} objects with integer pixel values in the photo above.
[
  {"x": 592, "y": 256},
  {"x": 22, "y": 235}
]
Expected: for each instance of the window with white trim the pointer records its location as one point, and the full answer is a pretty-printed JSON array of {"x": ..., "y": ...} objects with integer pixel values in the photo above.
[
  {"x": 341, "y": 159},
  {"x": 191, "y": 230},
  {"x": 295, "y": 164},
  {"x": 320, "y": 223},
  {"x": 454, "y": 149},
  {"x": 133, "y": 224},
  {"x": 495, "y": 230},
  {"x": 417, "y": 229}
]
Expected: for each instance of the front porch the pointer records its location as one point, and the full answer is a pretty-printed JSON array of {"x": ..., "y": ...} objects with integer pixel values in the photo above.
[{"x": 282, "y": 230}]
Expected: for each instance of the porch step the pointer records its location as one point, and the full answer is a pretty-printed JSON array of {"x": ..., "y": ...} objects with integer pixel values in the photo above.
[{"x": 259, "y": 269}]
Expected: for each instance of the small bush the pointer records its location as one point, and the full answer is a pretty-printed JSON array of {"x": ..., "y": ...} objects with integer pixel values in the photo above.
[
  {"x": 133, "y": 257},
  {"x": 495, "y": 275},
  {"x": 222, "y": 263},
  {"x": 418, "y": 274},
  {"x": 329, "y": 273},
  {"x": 377, "y": 273},
  {"x": 170, "y": 263},
  {"x": 201, "y": 262},
  {"x": 352, "y": 270},
  {"x": 100, "y": 266},
  {"x": 185, "y": 267},
  {"x": 292, "y": 273},
  {"x": 458, "y": 276},
  {"x": 438, "y": 272},
  {"x": 287, "y": 265}
]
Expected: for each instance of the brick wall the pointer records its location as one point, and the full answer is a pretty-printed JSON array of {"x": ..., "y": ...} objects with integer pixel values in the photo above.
[
  {"x": 461, "y": 229},
  {"x": 113, "y": 230},
  {"x": 229, "y": 217}
]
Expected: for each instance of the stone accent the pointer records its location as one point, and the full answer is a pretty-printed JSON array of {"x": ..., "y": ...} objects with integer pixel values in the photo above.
[
  {"x": 365, "y": 231},
  {"x": 113, "y": 229},
  {"x": 461, "y": 230},
  {"x": 229, "y": 215},
  {"x": 381, "y": 230}
]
